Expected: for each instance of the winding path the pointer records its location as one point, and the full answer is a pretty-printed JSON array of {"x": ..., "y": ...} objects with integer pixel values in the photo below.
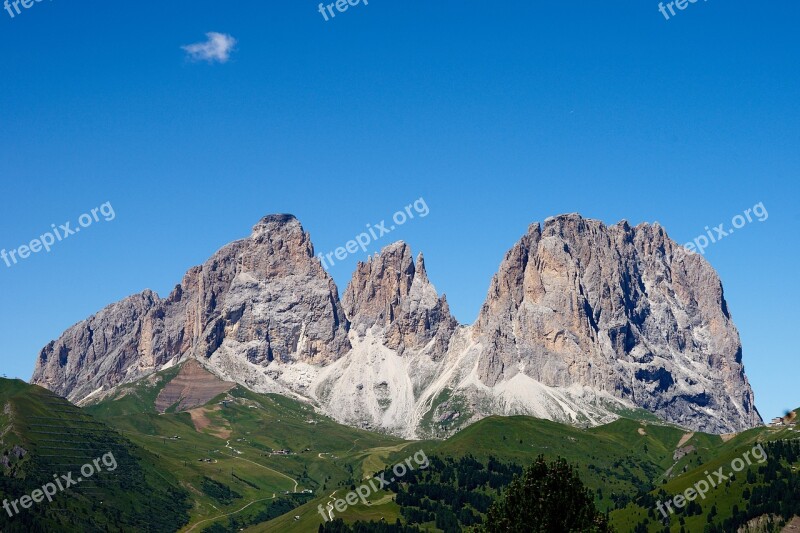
[
  {"x": 229, "y": 514},
  {"x": 330, "y": 505},
  {"x": 266, "y": 468}
]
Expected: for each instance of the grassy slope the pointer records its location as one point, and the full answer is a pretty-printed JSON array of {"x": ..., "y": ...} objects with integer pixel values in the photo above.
[
  {"x": 325, "y": 454},
  {"x": 619, "y": 459},
  {"x": 698, "y": 464},
  {"x": 59, "y": 438},
  {"x": 616, "y": 453},
  {"x": 614, "y": 457}
]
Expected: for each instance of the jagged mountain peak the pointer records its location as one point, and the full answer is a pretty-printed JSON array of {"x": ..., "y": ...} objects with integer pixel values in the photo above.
[
  {"x": 581, "y": 319},
  {"x": 419, "y": 267},
  {"x": 257, "y": 299},
  {"x": 378, "y": 286},
  {"x": 578, "y": 224},
  {"x": 619, "y": 310},
  {"x": 277, "y": 228},
  {"x": 393, "y": 292}
]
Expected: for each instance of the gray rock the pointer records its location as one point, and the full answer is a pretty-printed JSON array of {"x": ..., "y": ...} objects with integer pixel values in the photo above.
[
  {"x": 621, "y": 310},
  {"x": 266, "y": 294},
  {"x": 392, "y": 292},
  {"x": 581, "y": 322}
]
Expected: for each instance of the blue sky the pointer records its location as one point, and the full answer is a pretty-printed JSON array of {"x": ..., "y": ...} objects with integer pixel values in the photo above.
[{"x": 497, "y": 117}]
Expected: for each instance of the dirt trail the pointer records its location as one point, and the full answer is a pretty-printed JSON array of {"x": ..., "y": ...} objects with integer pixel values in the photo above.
[
  {"x": 266, "y": 468},
  {"x": 229, "y": 514},
  {"x": 330, "y": 505},
  {"x": 684, "y": 439}
]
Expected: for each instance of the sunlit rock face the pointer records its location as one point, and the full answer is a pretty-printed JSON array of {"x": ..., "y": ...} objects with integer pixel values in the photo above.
[{"x": 581, "y": 322}]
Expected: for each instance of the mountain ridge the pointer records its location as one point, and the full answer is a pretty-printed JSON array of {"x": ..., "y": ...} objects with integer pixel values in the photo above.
[{"x": 582, "y": 320}]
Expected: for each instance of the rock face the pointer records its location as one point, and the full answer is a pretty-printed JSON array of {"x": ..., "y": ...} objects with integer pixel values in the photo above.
[
  {"x": 266, "y": 296},
  {"x": 393, "y": 292},
  {"x": 620, "y": 310},
  {"x": 581, "y": 322},
  {"x": 102, "y": 350}
]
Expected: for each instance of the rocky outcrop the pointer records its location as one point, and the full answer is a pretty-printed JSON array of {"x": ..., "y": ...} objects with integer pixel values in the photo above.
[
  {"x": 581, "y": 322},
  {"x": 393, "y": 292},
  {"x": 620, "y": 310},
  {"x": 400, "y": 332},
  {"x": 265, "y": 296},
  {"x": 103, "y": 350}
]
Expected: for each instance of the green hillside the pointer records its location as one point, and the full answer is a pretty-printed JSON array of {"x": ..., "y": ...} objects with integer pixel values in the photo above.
[
  {"x": 251, "y": 462},
  {"x": 625, "y": 462},
  {"x": 243, "y": 456},
  {"x": 43, "y": 437},
  {"x": 762, "y": 488},
  {"x": 616, "y": 460}
]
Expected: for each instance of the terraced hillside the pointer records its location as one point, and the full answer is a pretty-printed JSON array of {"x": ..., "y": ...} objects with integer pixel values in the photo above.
[
  {"x": 243, "y": 457},
  {"x": 264, "y": 463},
  {"x": 44, "y": 439}
]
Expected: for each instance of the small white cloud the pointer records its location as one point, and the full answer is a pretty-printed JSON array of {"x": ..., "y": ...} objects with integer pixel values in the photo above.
[{"x": 218, "y": 47}]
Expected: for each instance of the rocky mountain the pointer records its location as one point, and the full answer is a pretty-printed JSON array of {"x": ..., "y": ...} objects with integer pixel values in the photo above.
[
  {"x": 620, "y": 310},
  {"x": 266, "y": 297},
  {"x": 393, "y": 292},
  {"x": 581, "y": 322}
]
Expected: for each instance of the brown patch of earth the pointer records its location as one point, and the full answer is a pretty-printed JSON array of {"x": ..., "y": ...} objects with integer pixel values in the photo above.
[
  {"x": 192, "y": 387},
  {"x": 685, "y": 439},
  {"x": 682, "y": 452},
  {"x": 727, "y": 436},
  {"x": 201, "y": 421}
]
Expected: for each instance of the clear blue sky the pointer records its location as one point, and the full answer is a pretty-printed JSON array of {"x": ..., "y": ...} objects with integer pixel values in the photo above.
[{"x": 498, "y": 116}]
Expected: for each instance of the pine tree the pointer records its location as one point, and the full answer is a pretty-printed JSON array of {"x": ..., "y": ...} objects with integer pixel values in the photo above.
[{"x": 547, "y": 498}]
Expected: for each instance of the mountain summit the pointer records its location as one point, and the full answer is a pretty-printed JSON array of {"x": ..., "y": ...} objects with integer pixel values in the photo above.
[{"x": 581, "y": 322}]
